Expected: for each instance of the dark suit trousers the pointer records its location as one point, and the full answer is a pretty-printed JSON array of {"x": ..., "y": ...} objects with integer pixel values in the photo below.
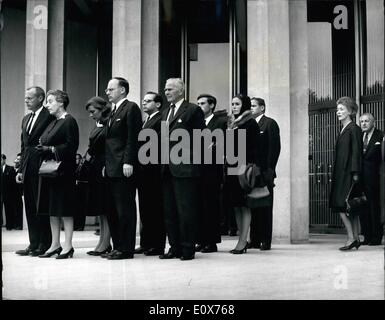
[
  {"x": 370, "y": 218},
  {"x": 121, "y": 214},
  {"x": 261, "y": 226},
  {"x": 153, "y": 231},
  {"x": 19, "y": 211},
  {"x": 10, "y": 211},
  {"x": 182, "y": 203},
  {"x": 210, "y": 217},
  {"x": 39, "y": 229}
]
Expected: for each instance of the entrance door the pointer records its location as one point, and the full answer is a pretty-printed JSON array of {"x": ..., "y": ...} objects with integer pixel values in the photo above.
[{"x": 214, "y": 50}]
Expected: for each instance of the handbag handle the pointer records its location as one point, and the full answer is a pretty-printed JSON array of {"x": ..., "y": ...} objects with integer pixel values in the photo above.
[{"x": 56, "y": 155}]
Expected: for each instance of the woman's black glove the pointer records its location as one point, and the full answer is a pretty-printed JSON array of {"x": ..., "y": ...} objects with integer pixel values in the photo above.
[{"x": 43, "y": 149}]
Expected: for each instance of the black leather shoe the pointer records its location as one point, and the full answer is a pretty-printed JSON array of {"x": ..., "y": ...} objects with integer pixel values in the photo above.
[
  {"x": 365, "y": 242},
  {"x": 355, "y": 244},
  {"x": 198, "y": 247},
  {"x": 210, "y": 248},
  {"x": 38, "y": 252},
  {"x": 106, "y": 255},
  {"x": 253, "y": 245},
  {"x": 139, "y": 250},
  {"x": 25, "y": 252},
  {"x": 119, "y": 255},
  {"x": 99, "y": 253},
  {"x": 187, "y": 257},
  {"x": 265, "y": 246},
  {"x": 169, "y": 255},
  {"x": 154, "y": 252},
  {"x": 375, "y": 243},
  {"x": 68, "y": 254},
  {"x": 50, "y": 254}
]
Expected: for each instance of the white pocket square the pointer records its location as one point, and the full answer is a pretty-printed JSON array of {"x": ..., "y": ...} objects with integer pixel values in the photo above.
[
  {"x": 117, "y": 120},
  {"x": 180, "y": 121},
  {"x": 378, "y": 142},
  {"x": 261, "y": 132}
]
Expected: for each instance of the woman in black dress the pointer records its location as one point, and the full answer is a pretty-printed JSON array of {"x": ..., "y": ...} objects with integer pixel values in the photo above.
[
  {"x": 346, "y": 168},
  {"x": 242, "y": 118},
  {"x": 99, "y": 110},
  {"x": 56, "y": 196}
]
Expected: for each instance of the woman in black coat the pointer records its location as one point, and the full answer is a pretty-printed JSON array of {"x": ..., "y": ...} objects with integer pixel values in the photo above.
[
  {"x": 99, "y": 110},
  {"x": 346, "y": 168},
  {"x": 241, "y": 118},
  {"x": 60, "y": 140}
]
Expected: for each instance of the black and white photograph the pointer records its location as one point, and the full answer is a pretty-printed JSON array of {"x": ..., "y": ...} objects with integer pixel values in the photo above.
[{"x": 192, "y": 154}]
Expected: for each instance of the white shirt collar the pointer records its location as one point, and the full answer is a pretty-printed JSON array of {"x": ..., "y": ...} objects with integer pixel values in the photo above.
[
  {"x": 208, "y": 119},
  {"x": 259, "y": 117},
  {"x": 37, "y": 112},
  {"x": 152, "y": 115},
  {"x": 119, "y": 103}
]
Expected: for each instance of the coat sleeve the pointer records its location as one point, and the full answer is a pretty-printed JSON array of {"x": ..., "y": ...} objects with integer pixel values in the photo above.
[
  {"x": 134, "y": 125},
  {"x": 274, "y": 145},
  {"x": 356, "y": 149}
]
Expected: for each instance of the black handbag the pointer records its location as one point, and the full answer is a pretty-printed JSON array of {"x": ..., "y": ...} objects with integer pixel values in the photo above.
[
  {"x": 256, "y": 192},
  {"x": 83, "y": 170},
  {"x": 356, "y": 200},
  {"x": 51, "y": 168}
]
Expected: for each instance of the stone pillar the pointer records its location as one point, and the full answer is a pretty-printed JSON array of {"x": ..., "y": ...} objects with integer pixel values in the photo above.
[
  {"x": 127, "y": 44},
  {"x": 150, "y": 46},
  {"x": 55, "y": 70},
  {"x": 36, "y": 43},
  {"x": 272, "y": 75},
  {"x": 299, "y": 99}
]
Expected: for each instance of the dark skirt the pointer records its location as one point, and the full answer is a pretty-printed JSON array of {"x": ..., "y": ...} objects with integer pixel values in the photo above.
[
  {"x": 234, "y": 194},
  {"x": 96, "y": 198},
  {"x": 57, "y": 197}
]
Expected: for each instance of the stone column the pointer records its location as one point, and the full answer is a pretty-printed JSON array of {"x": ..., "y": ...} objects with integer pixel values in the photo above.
[
  {"x": 127, "y": 44},
  {"x": 273, "y": 75},
  {"x": 299, "y": 99},
  {"x": 36, "y": 43},
  {"x": 56, "y": 25},
  {"x": 150, "y": 46}
]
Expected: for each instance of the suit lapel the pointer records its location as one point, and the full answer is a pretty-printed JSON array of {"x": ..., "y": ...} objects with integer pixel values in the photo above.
[
  {"x": 372, "y": 141},
  {"x": 117, "y": 113},
  {"x": 182, "y": 109},
  {"x": 262, "y": 123},
  {"x": 151, "y": 122},
  {"x": 40, "y": 119},
  {"x": 345, "y": 130}
]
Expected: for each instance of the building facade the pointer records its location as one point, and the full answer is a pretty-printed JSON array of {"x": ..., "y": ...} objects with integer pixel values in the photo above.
[{"x": 300, "y": 56}]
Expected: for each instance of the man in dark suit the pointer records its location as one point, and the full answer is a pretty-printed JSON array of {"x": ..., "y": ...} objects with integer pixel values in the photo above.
[
  {"x": 32, "y": 127},
  {"x": 122, "y": 131},
  {"x": 262, "y": 218},
  {"x": 8, "y": 196},
  {"x": 152, "y": 232},
  {"x": 371, "y": 161},
  {"x": 212, "y": 180},
  {"x": 18, "y": 197},
  {"x": 181, "y": 177}
]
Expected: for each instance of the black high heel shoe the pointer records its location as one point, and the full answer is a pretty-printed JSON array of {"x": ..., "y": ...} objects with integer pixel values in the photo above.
[
  {"x": 50, "y": 254},
  {"x": 355, "y": 244},
  {"x": 241, "y": 251},
  {"x": 66, "y": 255},
  {"x": 99, "y": 253}
]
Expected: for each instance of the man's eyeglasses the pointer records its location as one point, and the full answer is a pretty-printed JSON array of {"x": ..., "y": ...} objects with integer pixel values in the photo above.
[
  {"x": 147, "y": 100},
  {"x": 109, "y": 90}
]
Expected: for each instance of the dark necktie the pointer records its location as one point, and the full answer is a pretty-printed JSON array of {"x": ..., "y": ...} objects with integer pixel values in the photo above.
[
  {"x": 29, "y": 127},
  {"x": 366, "y": 141},
  {"x": 112, "y": 114},
  {"x": 172, "y": 113}
]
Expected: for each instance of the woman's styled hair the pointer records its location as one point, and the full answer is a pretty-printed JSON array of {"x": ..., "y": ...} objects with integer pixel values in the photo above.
[
  {"x": 246, "y": 102},
  {"x": 99, "y": 104},
  {"x": 349, "y": 103},
  {"x": 60, "y": 96}
]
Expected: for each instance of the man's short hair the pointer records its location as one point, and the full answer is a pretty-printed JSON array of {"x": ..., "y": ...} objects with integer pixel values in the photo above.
[
  {"x": 178, "y": 81},
  {"x": 368, "y": 114},
  {"x": 157, "y": 97},
  {"x": 3, "y": 156},
  {"x": 260, "y": 101},
  {"x": 210, "y": 99},
  {"x": 123, "y": 83},
  {"x": 39, "y": 92}
]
